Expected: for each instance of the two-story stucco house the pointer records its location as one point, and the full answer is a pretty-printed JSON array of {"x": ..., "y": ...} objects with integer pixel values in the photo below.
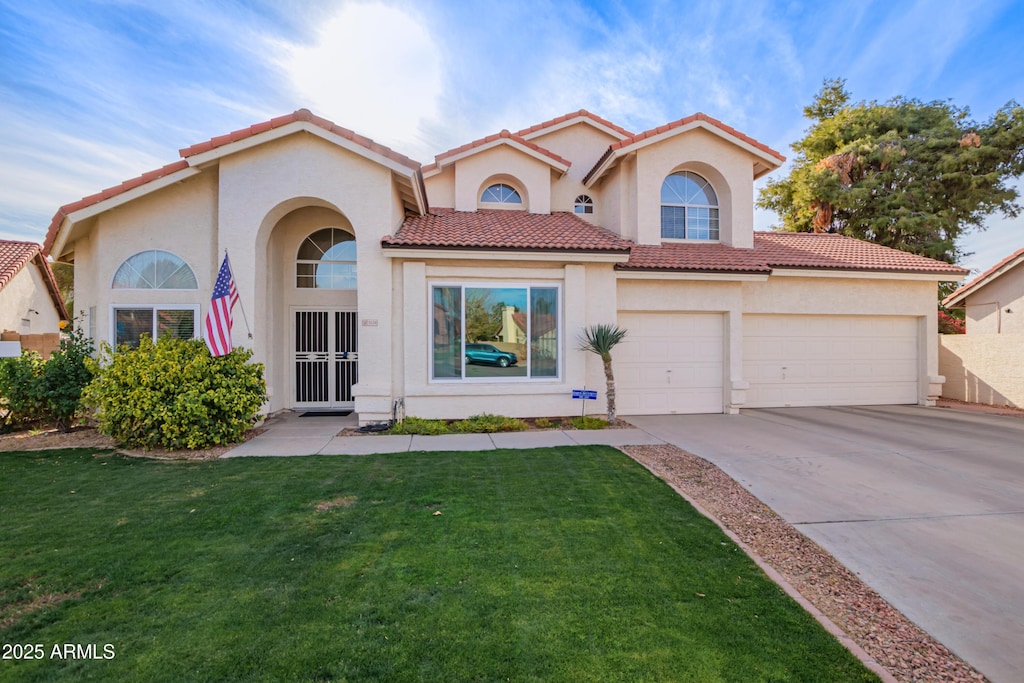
[{"x": 461, "y": 287}]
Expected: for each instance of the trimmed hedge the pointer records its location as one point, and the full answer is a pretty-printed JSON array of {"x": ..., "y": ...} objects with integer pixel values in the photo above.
[{"x": 173, "y": 394}]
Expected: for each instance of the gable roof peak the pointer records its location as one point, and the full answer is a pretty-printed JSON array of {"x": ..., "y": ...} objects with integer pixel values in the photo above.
[
  {"x": 15, "y": 255},
  {"x": 960, "y": 295},
  {"x": 503, "y": 137},
  {"x": 573, "y": 117}
]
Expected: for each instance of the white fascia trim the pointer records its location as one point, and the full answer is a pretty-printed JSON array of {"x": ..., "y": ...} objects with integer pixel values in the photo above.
[
  {"x": 544, "y": 158},
  {"x": 290, "y": 129},
  {"x": 973, "y": 288},
  {"x": 504, "y": 255},
  {"x": 572, "y": 122},
  {"x": 865, "y": 275},
  {"x": 130, "y": 195},
  {"x": 670, "y": 275},
  {"x": 739, "y": 142},
  {"x": 599, "y": 172}
]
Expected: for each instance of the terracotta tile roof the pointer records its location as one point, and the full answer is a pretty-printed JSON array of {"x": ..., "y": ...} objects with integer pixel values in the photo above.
[
  {"x": 690, "y": 119},
  {"x": 213, "y": 143},
  {"x": 640, "y": 137},
  {"x": 503, "y": 135},
  {"x": 711, "y": 257},
  {"x": 506, "y": 230},
  {"x": 15, "y": 255},
  {"x": 102, "y": 195},
  {"x": 296, "y": 116},
  {"x": 983, "y": 279},
  {"x": 774, "y": 250},
  {"x": 582, "y": 113}
]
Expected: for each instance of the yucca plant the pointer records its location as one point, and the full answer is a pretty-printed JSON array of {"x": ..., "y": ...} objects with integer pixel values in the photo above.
[{"x": 601, "y": 339}]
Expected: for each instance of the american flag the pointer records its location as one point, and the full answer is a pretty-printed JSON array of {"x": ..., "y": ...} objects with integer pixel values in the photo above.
[{"x": 218, "y": 319}]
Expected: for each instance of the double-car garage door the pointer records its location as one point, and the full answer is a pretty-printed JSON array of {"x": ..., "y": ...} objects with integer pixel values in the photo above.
[{"x": 675, "y": 362}]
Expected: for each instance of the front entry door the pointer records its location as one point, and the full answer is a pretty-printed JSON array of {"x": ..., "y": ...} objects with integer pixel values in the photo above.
[{"x": 326, "y": 358}]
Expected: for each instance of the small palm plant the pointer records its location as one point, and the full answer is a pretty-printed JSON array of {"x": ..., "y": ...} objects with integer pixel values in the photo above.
[{"x": 601, "y": 339}]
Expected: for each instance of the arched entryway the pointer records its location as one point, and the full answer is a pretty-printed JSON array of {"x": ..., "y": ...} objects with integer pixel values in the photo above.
[{"x": 312, "y": 293}]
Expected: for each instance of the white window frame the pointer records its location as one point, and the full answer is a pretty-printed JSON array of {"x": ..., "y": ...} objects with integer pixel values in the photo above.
[
  {"x": 527, "y": 379},
  {"x": 298, "y": 262},
  {"x": 196, "y": 327},
  {"x": 124, "y": 262},
  {"x": 686, "y": 212}
]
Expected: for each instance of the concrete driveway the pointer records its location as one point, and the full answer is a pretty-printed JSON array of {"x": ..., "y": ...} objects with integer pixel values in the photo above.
[{"x": 926, "y": 505}]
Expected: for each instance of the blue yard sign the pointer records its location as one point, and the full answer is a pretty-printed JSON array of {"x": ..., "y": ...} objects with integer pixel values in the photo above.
[{"x": 585, "y": 394}]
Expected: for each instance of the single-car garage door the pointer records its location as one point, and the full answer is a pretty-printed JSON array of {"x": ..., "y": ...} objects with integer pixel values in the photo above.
[
  {"x": 810, "y": 360},
  {"x": 669, "y": 363}
]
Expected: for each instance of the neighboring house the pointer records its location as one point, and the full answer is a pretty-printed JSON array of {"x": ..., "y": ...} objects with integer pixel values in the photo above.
[
  {"x": 363, "y": 274},
  {"x": 995, "y": 299},
  {"x": 986, "y": 365},
  {"x": 30, "y": 302}
]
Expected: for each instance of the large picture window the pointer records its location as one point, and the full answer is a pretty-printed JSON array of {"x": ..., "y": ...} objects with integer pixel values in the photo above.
[
  {"x": 494, "y": 332},
  {"x": 130, "y": 323}
]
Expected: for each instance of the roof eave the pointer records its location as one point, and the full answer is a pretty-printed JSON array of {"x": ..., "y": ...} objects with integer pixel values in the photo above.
[
  {"x": 66, "y": 217},
  {"x": 442, "y": 161},
  {"x": 960, "y": 296},
  {"x": 865, "y": 273},
  {"x": 503, "y": 253}
]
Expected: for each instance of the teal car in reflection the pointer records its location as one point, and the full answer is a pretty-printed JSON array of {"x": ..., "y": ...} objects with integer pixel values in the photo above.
[{"x": 487, "y": 354}]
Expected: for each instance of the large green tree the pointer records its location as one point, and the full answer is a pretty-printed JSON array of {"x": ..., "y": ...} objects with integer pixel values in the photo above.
[{"x": 904, "y": 173}]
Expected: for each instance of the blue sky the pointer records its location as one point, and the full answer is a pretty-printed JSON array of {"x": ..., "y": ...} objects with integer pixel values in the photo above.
[{"x": 93, "y": 93}]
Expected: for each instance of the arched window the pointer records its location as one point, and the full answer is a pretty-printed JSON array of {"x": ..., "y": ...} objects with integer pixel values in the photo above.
[
  {"x": 327, "y": 260},
  {"x": 154, "y": 269},
  {"x": 500, "y": 193},
  {"x": 583, "y": 204},
  {"x": 689, "y": 208}
]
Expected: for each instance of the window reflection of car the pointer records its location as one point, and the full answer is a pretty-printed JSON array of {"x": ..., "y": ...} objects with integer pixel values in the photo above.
[{"x": 489, "y": 355}]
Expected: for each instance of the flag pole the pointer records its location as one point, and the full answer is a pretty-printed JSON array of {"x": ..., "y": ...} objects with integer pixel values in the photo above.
[{"x": 240, "y": 305}]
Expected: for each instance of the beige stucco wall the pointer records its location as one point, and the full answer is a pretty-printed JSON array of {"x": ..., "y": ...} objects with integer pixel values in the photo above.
[
  {"x": 527, "y": 174},
  {"x": 283, "y": 296},
  {"x": 998, "y": 307},
  {"x": 725, "y": 166},
  {"x": 27, "y": 291},
  {"x": 583, "y": 145},
  {"x": 588, "y": 296},
  {"x": 440, "y": 188},
  {"x": 259, "y": 188},
  {"x": 180, "y": 219},
  {"x": 983, "y": 368}
]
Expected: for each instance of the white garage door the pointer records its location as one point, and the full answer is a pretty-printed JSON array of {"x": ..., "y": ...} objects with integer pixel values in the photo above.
[
  {"x": 807, "y": 360},
  {"x": 669, "y": 363}
]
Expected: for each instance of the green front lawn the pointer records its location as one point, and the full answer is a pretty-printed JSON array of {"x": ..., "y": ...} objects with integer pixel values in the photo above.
[{"x": 562, "y": 564}]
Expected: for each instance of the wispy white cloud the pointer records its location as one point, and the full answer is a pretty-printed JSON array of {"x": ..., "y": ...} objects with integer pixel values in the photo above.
[{"x": 373, "y": 68}]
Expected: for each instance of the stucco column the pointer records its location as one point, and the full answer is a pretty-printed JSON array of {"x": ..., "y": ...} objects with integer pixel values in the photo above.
[
  {"x": 415, "y": 325},
  {"x": 928, "y": 336},
  {"x": 575, "y": 296},
  {"x": 736, "y": 385}
]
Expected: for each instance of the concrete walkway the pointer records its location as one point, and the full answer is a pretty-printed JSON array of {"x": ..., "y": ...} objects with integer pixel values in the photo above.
[{"x": 293, "y": 434}]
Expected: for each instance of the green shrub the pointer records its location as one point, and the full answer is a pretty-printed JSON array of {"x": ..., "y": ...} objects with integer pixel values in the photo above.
[
  {"x": 544, "y": 423},
  {"x": 419, "y": 425},
  {"x": 587, "y": 422},
  {"x": 36, "y": 390},
  {"x": 21, "y": 390},
  {"x": 174, "y": 394},
  {"x": 488, "y": 424}
]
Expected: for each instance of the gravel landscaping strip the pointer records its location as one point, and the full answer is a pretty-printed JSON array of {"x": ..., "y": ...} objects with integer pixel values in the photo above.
[{"x": 899, "y": 645}]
